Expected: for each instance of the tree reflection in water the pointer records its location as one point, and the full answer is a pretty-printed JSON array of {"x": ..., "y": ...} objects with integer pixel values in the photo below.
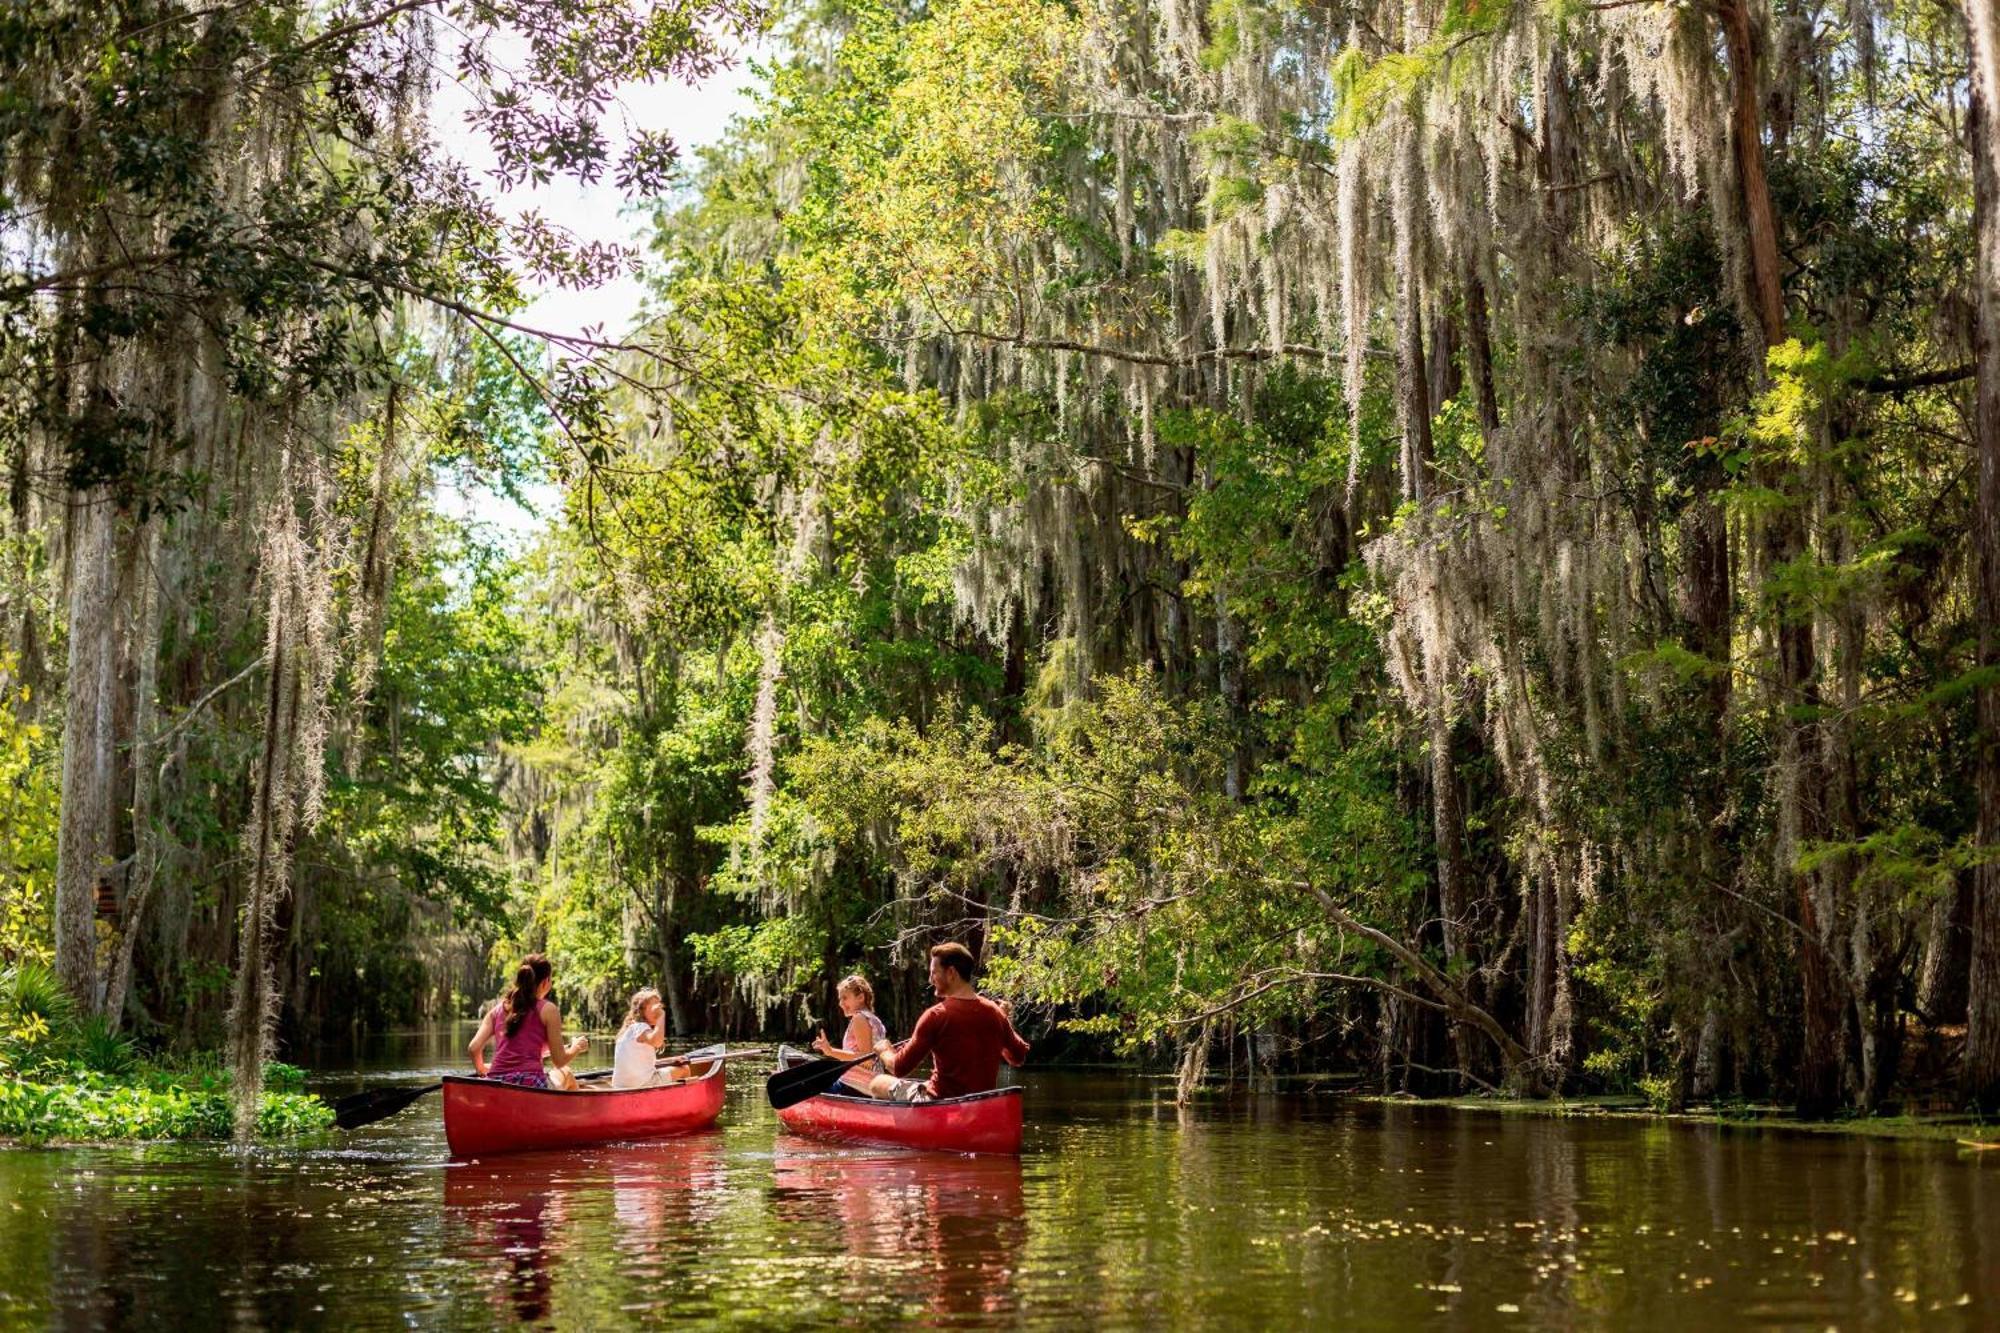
[{"x": 953, "y": 1226}]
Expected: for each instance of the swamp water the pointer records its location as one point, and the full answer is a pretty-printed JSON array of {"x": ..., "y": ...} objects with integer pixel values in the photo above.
[{"x": 1256, "y": 1212}]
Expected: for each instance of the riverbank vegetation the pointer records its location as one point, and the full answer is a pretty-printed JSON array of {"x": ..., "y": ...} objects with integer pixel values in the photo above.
[
  {"x": 70, "y": 1077},
  {"x": 1459, "y": 541}
]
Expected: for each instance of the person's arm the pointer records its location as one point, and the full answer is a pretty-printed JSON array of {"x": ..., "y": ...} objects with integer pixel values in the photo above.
[
  {"x": 898, "y": 1060},
  {"x": 1013, "y": 1047},
  {"x": 478, "y": 1048},
  {"x": 559, "y": 1054},
  {"x": 655, "y": 1037},
  {"x": 829, "y": 1051}
]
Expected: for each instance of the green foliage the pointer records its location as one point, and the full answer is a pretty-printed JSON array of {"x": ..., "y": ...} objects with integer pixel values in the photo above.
[
  {"x": 955, "y": 556},
  {"x": 962, "y": 583},
  {"x": 38, "y": 1017},
  {"x": 30, "y": 798},
  {"x": 86, "y": 1111},
  {"x": 1167, "y": 895},
  {"x": 101, "y": 1050},
  {"x": 64, "y": 1076}
]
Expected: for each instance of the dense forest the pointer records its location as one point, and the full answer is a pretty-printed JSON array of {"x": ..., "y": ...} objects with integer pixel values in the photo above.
[{"x": 1455, "y": 540}]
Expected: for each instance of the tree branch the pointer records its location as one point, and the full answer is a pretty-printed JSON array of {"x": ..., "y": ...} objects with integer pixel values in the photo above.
[
  {"x": 1922, "y": 380},
  {"x": 1138, "y": 358},
  {"x": 195, "y": 708},
  {"x": 344, "y": 31},
  {"x": 1455, "y": 1001},
  {"x": 73, "y": 277}
]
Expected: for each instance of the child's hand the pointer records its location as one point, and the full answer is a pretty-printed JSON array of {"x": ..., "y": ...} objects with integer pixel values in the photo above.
[
  {"x": 579, "y": 1046},
  {"x": 821, "y": 1044}
]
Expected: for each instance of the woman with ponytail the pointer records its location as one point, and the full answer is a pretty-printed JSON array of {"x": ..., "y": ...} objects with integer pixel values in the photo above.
[{"x": 523, "y": 1027}]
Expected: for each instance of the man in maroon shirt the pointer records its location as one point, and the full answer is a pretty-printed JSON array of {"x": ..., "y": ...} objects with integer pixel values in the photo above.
[{"x": 965, "y": 1034}]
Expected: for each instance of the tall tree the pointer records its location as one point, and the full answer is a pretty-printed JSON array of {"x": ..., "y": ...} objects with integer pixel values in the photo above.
[{"x": 1982, "y": 1057}]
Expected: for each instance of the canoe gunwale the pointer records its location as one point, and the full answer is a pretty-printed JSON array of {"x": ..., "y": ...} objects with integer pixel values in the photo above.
[
  {"x": 792, "y": 1055},
  {"x": 934, "y": 1104},
  {"x": 714, "y": 1071}
]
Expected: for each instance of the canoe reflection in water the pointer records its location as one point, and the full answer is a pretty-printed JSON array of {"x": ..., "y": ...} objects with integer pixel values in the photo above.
[
  {"x": 666, "y": 1193},
  {"x": 520, "y": 1212},
  {"x": 963, "y": 1219}
]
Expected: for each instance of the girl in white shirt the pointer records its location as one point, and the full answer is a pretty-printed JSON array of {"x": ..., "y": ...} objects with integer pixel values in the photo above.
[{"x": 640, "y": 1041}]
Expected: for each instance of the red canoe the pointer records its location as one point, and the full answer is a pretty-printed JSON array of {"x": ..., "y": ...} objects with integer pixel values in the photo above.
[
  {"x": 985, "y": 1122},
  {"x": 483, "y": 1117}
]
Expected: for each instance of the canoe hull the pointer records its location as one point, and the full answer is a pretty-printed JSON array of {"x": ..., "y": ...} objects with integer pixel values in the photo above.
[
  {"x": 483, "y": 1117},
  {"x": 986, "y": 1122}
]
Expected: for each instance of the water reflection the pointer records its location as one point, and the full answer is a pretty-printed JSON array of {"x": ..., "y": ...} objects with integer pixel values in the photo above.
[
  {"x": 1282, "y": 1212},
  {"x": 951, "y": 1229},
  {"x": 528, "y": 1215},
  {"x": 511, "y": 1211},
  {"x": 664, "y": 1194}
]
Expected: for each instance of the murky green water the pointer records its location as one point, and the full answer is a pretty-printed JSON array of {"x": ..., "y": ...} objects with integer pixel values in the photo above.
[{"x": 1266, "y": 1212}]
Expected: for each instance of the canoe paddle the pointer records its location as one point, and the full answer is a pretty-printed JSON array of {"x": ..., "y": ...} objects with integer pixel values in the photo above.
[
  {"x": 789, "y": 1087},
  {"x": 365, "y": 1108}
]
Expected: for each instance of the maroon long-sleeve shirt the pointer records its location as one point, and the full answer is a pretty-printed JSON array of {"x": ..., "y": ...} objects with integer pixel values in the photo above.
[{"x": 966, "y": 1040}]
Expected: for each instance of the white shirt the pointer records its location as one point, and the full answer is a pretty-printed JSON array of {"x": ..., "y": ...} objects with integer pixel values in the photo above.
[{"x": 632, "y": 1062}]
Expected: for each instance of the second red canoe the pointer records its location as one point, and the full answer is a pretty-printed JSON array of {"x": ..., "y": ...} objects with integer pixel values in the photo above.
[{"x": 985, "y": 1122}]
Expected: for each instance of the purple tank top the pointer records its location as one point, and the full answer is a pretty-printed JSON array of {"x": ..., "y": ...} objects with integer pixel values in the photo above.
[{"x": 522, "y": 1052}]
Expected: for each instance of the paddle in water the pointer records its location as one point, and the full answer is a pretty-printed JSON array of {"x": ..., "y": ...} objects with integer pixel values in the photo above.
[
  {"x": 365, "y": 1108},
  {"x": 789, "y": 1087}
]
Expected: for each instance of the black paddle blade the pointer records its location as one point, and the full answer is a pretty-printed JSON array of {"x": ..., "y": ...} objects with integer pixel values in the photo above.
[
  {"x": 365, "y": 1108},
  {"x": 789, "y": 1087}
]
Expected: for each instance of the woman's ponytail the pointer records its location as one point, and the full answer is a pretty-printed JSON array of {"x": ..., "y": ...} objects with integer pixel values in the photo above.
[{"x": 532, "y": 972}]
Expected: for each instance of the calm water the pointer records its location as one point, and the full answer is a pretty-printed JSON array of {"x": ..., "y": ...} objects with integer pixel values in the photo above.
[{"x": 1266, "y": 1212}]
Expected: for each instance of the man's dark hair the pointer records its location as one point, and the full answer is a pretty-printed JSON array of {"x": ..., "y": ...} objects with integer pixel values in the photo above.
[{"x": 958, "y": 958}]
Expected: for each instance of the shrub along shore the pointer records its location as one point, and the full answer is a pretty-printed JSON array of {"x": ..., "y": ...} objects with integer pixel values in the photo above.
[
  {"x": 82, "y": 1105},
  {"x": 64, "y": 1078}
]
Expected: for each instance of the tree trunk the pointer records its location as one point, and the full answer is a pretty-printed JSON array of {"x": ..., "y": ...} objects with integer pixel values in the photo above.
[
  {"x": 1707, "y": 618},
  {"x": 1193, "y": 1066},
  {"x": 145, "y": 776},
  {"x": 1982, "y": 1047},
  {"x": 1705, "y": 606},
  {"x": 250, "y": 1015},
  {"x": 1479, "y": 350},
  {"x": 1229, "y": 677},
  {"x": 1706, "y": 1075},
  {"x": 1799, "y": 790},
  {"x": 1448, "y": 828},
  {"x": 1441, "y": 364},
  {"x": 1947, "y": 957},
  {"x": 84, "y": 840},
  {"x": 1746, "y": 142},
  {"x": 1800, "y": 823},
  {"x": 283, "y": 783},
  {"x": 763, "y": 741},
  {"x": 1229, "y": 681},
  {"x": 1539, "y": 925},
  {"x": 1410, "y": 365},
  {"x": 670, "y": 973}
]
